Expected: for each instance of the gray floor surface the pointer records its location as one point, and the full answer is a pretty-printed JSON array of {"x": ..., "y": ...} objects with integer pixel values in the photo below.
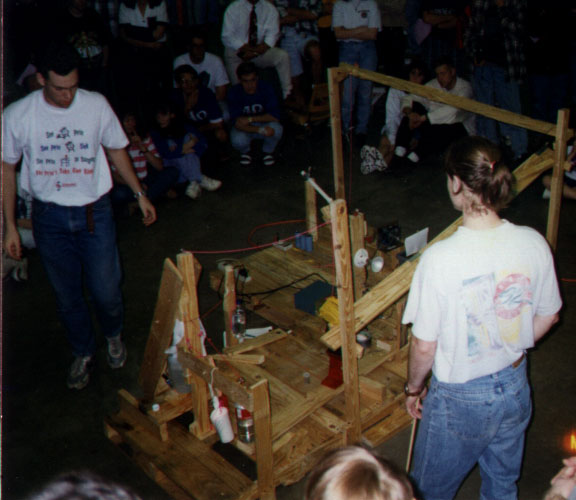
[{"x": 48, "y": 429}]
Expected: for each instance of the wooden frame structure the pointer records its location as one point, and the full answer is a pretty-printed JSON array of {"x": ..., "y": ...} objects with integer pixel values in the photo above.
[
  {"x": 559, "y": 131},
  {"x": 296, "y": 419}
]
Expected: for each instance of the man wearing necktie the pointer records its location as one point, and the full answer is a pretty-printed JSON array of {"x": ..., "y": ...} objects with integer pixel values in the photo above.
[{"x": 249, "y": 33}]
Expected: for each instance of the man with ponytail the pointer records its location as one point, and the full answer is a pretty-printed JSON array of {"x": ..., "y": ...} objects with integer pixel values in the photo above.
[{"x": 478, "y": 301}]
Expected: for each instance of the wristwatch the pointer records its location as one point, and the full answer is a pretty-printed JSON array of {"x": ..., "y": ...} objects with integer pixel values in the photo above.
[
  {"x": 138, "y": 194},
  {"x": 412, "y": 394}
]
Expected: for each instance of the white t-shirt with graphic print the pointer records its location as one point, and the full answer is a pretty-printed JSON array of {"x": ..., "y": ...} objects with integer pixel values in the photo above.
[
  {"x": 62, "y": 148},
  {"x": 476, "y": 293}
]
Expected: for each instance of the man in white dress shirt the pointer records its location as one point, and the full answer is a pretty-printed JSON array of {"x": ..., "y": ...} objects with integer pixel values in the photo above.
[{"x": 249, "y": 33}]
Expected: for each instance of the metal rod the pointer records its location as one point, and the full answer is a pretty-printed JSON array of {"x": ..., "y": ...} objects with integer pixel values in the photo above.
[{"x": 312, "y": 182}]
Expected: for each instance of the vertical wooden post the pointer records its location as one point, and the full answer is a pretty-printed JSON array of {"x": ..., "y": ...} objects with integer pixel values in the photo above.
[
  {"x": 311, "y": 211},
  {"x": 160, "y": 336},
  {"x": 229, "y": 304},
  {"x": 263, "y": 436},
  {"x": 190, "y": 269},
  {"x": 357, "y": 238},
  {"x": 341, "y": 245},
  {"x": 336, "y": 128},
  {"x": 557, "y": 183}
]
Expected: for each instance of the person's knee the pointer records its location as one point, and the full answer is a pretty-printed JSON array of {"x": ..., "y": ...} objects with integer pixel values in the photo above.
[{"x": 313, "y": 52}]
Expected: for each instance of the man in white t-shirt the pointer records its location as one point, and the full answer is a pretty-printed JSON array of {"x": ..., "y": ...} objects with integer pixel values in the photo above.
[
  {"x": 62, "y": 135},
  {"x": 209, "y": 67}
]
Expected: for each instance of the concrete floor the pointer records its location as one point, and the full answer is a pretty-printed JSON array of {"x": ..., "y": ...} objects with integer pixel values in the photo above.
[{"x": 48, "y": 429}]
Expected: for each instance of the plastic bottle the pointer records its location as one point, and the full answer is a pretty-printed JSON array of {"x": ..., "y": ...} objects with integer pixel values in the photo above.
[
  {"x": 239, "y": 321},
  {"x": 245, "y": 424}
]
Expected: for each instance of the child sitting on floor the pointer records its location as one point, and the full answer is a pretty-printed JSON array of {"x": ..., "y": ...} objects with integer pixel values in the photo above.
[{"x": 181, "y": 146}]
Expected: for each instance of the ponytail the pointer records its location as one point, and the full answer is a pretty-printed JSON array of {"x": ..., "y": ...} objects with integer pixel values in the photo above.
[{"x": 477, "y": 163}]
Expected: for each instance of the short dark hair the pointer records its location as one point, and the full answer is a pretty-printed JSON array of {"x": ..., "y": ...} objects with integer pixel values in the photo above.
[
  {"x": 60, "y": 58},
  {"x": 444, "y": 61},
  {"x": 246, "y": 68},
  {"x": 418, "y": 64},
  {"x": 184, "y": 69}
]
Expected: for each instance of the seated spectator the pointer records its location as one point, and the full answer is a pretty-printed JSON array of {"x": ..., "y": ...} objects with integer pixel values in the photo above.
[
  {"x": 143, "y": 60},
  {"x": 569, "y": 187},
  {"x": 353, "y": 473},
  {"x": 156, "y": 179},
  {"x": 181, "y": 146},
  {"x": 430, "y": 127},
  {"x": 198, "y": 104},
  {"x": 254, "y": 114},
  {"x": 299, "y": 28},
  {"x": 83, "y": 28},
  {"x": 379, "y": 158},
  {"x": 209, "y": 67},
  {"x": 250, "y": 31}
]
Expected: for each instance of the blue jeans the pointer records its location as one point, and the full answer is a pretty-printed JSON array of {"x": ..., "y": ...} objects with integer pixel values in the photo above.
[
  {"x": 481, "y": 421},
  {"x": 242, "y": 141},
  {"x": 355, "y": 90},
  {"x": 75, "y": 249},
  {"x": 491, "y": 86}
]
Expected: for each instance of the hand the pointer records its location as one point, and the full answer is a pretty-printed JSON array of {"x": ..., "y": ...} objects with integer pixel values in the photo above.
[
  {"x": 243, "y": 121},
  {"x": 12, "y": 243},
  {"x": 147, "y": 209},
  {"x": 415, "y": 120},
  {"x": 266, "y": 131},
  {"x": 414, "y": 404},
  {"x": 565, "y": 481}
]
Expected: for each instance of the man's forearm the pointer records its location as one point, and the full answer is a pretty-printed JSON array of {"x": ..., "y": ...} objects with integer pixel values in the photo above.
[
  {"x": 542, "y": 324},
  {"x": 361, "y": 33},
  {"x": 124, "y": 167},
  {"x": 9, "y": 195}
]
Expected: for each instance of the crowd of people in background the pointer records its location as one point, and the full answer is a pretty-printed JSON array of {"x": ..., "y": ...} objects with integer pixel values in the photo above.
[{"x": 142, "y": 54}]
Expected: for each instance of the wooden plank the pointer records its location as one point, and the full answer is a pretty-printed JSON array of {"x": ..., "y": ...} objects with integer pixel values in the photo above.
[
  {"x": 226, "y": 383},
  {"x": 263, "y": 437},
  {"x": 471, "y": 105},
  {"x": 229, "y": 304},
  {"x": 190, "y": 269},
  {"x": 212, "y": 477},
  {"x": 341, "y": 244},
  {"x": 334, "y": 77},
  {"x": 397, "y": 283},
  {"x": 373, "y": 389},
  {"x": 160, "y": 336},
  {"x": 251, "y": 359},
  {"x": 357, "y": 239},
  {"x": 260, "y": 341},
  {"x": 311, "y": 211},
  {"x": 557, "y": 182}
]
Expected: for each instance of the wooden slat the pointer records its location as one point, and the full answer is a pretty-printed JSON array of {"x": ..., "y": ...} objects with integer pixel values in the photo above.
[
  {"x": 556, "y": 185},
  {"x": 263, "y": 436},
  {"x": 190, "y": 269},
  {"x": 357, "y": 237},
  {"x": 227, "y": 384},
  {"x": 260, "y": 341},
  {"x": 185, "y": 460},
  {"x": 160, "y": 336},
  {"x": 471, "y": 105},
  {"x": 334, "y": 77},
  {"x": 311, "y": 211},
  {"x": 229, "y": 304},
  {"x": 341, "y": 244}
]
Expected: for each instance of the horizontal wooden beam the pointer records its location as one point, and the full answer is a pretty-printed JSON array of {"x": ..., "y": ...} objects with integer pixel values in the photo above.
[{"x": 459, "y": 102}]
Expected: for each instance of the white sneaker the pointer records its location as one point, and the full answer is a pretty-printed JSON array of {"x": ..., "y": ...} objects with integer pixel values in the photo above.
[
  {"x": 193, "y": 190},
  {"x": 413, "y": 157},
  {"x": 210, "y": 184},
  {"x": 400, "y": 151}
]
